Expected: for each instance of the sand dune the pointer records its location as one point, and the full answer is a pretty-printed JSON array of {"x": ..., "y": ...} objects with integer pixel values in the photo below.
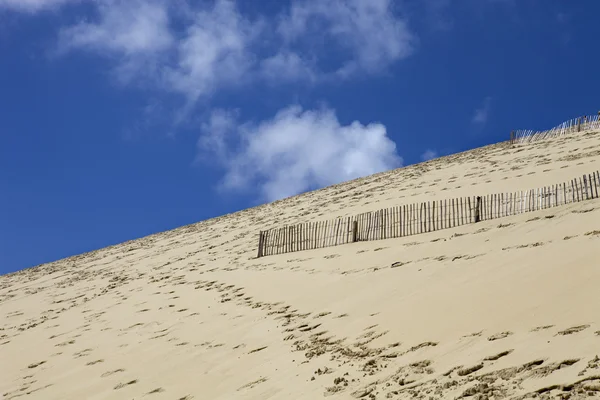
[{"x": 505, "y": 308}]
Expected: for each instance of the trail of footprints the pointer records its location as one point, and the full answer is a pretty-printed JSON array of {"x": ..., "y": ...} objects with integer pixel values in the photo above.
[
  {"x": 367, "y": 370},
  {"x": 362, "y": 365}
]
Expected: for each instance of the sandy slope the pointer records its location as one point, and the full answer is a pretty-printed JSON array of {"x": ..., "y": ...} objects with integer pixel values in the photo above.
[{"x": 499, "y": 309}]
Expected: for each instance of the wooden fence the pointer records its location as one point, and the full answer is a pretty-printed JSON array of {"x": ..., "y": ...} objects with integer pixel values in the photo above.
[
  {"x": 580, "y": 124},
  {"x": 423, "y": 217}
]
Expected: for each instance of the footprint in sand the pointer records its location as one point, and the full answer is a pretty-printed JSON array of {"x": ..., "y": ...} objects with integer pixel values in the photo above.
[
  {"x": 122, "y": 385},
  {"x": 498, "y": 356},
  {"x": 257, "y": 350},
  {"x": 109, "y": 373},
  {"x": 541, "y": 328},
  {"x": 574, "y": 329},
  {"x": 469, "y": 370},
  {"x": 499, "y": 336},
  {"x": 35, "y": 365},
  {"x": 252, "y": 384}
]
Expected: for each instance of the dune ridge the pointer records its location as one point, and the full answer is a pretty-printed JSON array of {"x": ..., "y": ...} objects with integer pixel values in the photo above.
[{"x": 493, "y": 310}]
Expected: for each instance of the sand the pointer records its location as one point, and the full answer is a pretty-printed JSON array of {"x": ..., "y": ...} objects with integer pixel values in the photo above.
[{"x": 507, "y": 308}]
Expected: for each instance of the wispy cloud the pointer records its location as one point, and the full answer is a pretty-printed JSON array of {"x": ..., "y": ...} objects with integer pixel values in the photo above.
[
  {"x": 288, "y": 66},
  {"x": 295, "y": 151},
  {"x": 219, "y": 47},
  {"x": 127, "y": 28},
  {"x": 214, "y": 52},
  {"x": 482, "y": 114},
  {"x": 369, "y": 32},
  {"x": 429, "y": 155}
]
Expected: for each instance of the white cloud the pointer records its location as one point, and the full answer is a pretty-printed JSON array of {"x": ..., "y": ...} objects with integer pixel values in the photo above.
[
  {"x": 287, "y": 66},
  {"x": 368, "y": 30},
  {"x": 214, "y": 52},
  {"x": 296, "y": 150},
  {"x": 482, "y": 114},
  {"x": 32, "y": 6},
  {"x": 429, "y": 155},
  {"x": 218, "y": 131},
  {"x": 194, "y": 50},
  {"x": 131, "y": 27},
  {"x": 134, "y": 32}
]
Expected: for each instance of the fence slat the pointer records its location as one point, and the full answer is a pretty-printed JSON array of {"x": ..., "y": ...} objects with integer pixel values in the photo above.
[
  {"x": 272, "y": 237},
  {"x": 402, "y": 220},
  {"x": 445, "y": 217},
  {"x": 267, "y": 242},
  {"x": 408, "y": 220},
  {"x": 470, "y": 210},
  {"x": 278, "y": 243},
  {"x": 260, "y": 244},
  {"x": 544, "y": 198},
  {"x": 293, "y": 238},
  {"x": 421, "y": 217},
  {"x": 497, "y": 205},
  {"x": 395, "y": 221},
  {"x": 303, "y": 237},
  {"x": 482, "y": 208},
  {"x": 399, "y": 221},
  {"x": 415, "y": 219},
  {"x": 412, "y": 219},
  {"x": 428, "y": 213},
  {"x": 435, "y": 220}
]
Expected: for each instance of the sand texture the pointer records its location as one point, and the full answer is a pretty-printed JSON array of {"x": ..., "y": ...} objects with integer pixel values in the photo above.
[{"x": 508, "y": 308}]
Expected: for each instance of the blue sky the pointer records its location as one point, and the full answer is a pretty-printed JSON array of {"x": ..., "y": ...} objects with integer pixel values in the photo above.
[{"x": 119, "y": 119}]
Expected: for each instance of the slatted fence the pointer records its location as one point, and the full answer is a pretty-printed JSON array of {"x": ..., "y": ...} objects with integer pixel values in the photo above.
[
  {"x": 429, "y": 216},
  {"x": 580, "y": 124}
]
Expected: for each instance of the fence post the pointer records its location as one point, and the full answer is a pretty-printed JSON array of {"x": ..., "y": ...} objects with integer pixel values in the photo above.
[
  {"x": 260, "y": 244},
  {"x": 512, "y": 137},
  {"x": 478, "y": 209},
  {"x": 354, "y": 230}
]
